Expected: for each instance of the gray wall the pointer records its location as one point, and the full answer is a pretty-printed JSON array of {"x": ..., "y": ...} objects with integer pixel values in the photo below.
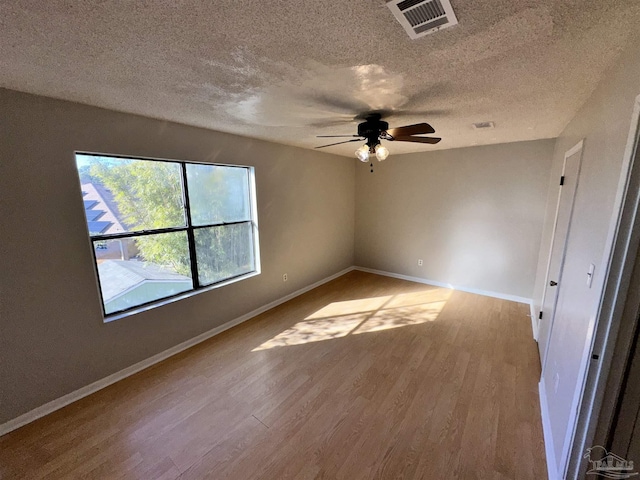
[
  {"x": 604, "y": 123},
  {"x": 474, "y": 215},
  {"x": 52, "y": 337}
]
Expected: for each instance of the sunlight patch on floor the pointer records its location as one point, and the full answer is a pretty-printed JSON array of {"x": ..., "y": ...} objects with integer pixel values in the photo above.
[
  {"x": 314, "y": 331},
  {"x": 400, "y": 317},
  {"x": 362, "y": 305},
  {"x": 420, "y": 298},
  {"x": 367, "y": 315}
]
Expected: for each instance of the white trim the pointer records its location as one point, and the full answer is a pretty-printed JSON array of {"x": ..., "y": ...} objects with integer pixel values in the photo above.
[
  {"x": 65, "y": 400},
  {"x": 534, "y": 321},
  {"x": 552, "y": 312},
  {"x": 604, "y": 323},
  {"x": 575, "y": 149},
  {"x": 552, "y": 469},
  {"x": 253, "y": 196},
  {"x": 486, "y": 293},
  {"x": 112, "y": 317},
  {"x": 69, "y": 398},
  {"x": 572, "y": 424}
]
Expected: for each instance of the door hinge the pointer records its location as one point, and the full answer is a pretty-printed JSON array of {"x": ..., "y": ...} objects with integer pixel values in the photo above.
[
  {"x": 540, "y": 316},
  {"x": 562, "y": 180}
]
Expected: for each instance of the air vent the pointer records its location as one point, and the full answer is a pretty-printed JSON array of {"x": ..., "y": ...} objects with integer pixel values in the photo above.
[
  {"x": 483, "y": 125},
  {"x": 421, "y": 17}
]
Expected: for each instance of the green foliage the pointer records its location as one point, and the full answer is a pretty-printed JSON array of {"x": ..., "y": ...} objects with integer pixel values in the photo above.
[
  {"x": 85, "y": 174},
  {"x": 149, "y": 196},
  {"x": 223, "y": 252},
  {"x": 216, "y": 195}
]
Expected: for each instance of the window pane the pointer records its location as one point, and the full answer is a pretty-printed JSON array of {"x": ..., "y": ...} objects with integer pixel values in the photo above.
[
  {"x": 224, "y": 252},
  {"x": 218, "y": 194},
  {"x": 125, "y": 195},
  {"x": 138, "y": 270}
]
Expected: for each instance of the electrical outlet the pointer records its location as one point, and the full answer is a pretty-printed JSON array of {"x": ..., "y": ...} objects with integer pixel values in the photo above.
[
  {"x": 420, "y": 262},
  {"x": 285, "y": 278},
  {"x": 556, "y": 382}
]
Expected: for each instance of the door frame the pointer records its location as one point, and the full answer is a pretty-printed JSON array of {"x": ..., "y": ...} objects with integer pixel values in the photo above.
[
  {"x": 607, "y": 323},
  {"x": 572, "y": 151}
]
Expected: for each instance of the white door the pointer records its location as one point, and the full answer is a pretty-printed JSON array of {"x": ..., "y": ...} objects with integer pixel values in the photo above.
[{"x": 568, "y": 184}]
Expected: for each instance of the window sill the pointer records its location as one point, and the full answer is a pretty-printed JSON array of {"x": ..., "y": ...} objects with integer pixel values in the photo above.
[{"x": 181, "y": 296}]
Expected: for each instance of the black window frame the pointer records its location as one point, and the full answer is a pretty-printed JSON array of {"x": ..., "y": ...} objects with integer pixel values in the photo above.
[{"x": 189, "y": 228}]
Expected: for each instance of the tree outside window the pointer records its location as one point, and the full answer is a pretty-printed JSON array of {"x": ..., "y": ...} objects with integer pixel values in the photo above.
[{"x": 161, "y": 228}]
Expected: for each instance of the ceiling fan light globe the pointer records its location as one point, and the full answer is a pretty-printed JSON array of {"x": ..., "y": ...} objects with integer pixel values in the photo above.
[
  {"x": 381, "y": 152},
  {"x": 363, "y": 153}
]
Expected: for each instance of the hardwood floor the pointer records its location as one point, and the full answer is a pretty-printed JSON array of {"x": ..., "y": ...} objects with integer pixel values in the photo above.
[{"x": 366, "y": 377}]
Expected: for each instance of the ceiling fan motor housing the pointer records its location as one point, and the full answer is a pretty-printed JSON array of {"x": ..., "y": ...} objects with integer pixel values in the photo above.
[{"x": 372, "y": 129}]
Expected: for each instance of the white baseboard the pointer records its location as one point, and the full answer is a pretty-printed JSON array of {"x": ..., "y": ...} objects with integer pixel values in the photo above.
[
  {"x": 65, "y": 400},
  {"x": 552, "y": 468},
  {"x": 534, "y": 321},
  {"x": 486, "y": 293}
]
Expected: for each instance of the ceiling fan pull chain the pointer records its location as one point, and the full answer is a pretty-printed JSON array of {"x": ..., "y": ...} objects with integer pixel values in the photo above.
[{"x": 371, "y": 167}]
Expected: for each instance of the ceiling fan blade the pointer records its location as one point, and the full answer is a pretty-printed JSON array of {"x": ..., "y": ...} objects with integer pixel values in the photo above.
[
  {"x": 337, "y": 136},
  {"x": 330, "y": 123},
  {"x": 338, "y": 143},
  {"x": 348, "y": 106},
  {"x": 431, "y": 140},
  {"x": 438, "y": 90},
  {"x": 417, "y": 129},
  {"x": 439, "y": 112}
]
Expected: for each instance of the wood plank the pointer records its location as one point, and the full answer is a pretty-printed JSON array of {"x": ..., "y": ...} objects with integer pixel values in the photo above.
[{"x": 364, "y": 377}]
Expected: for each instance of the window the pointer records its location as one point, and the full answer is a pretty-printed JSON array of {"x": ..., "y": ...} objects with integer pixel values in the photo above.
[{"x": 161, "y": 228}]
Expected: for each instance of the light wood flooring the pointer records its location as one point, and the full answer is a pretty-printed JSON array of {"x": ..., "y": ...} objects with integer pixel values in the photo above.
[{"x": 365, "y": 377}]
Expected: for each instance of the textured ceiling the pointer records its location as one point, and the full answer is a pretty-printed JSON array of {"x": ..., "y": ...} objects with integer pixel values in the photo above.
[{"x": 287, "y": 70}]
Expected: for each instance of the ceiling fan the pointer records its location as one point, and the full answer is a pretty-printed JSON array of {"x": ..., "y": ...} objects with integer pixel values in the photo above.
[{"x": 374, "y": 129}]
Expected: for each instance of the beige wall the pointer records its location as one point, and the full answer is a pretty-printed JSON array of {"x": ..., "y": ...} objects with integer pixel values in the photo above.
[
  {"x": 474, "y": 215},
  {"x": 603, "y": 122},
  {"x": 52, "y": 338}
]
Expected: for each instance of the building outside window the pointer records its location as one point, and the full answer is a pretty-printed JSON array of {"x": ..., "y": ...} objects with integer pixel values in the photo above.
[{"x": 162, "y": 228}]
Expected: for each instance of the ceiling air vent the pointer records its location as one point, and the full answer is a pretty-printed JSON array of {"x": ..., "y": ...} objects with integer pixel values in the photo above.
[
  {"x": 421, "y": 17},
  {"x": 483, "y": 125}
]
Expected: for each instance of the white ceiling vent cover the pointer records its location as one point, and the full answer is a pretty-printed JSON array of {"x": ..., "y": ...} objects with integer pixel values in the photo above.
[
  {"x": 483, "y": 125},
  {"x": 421, "y": 17}
]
